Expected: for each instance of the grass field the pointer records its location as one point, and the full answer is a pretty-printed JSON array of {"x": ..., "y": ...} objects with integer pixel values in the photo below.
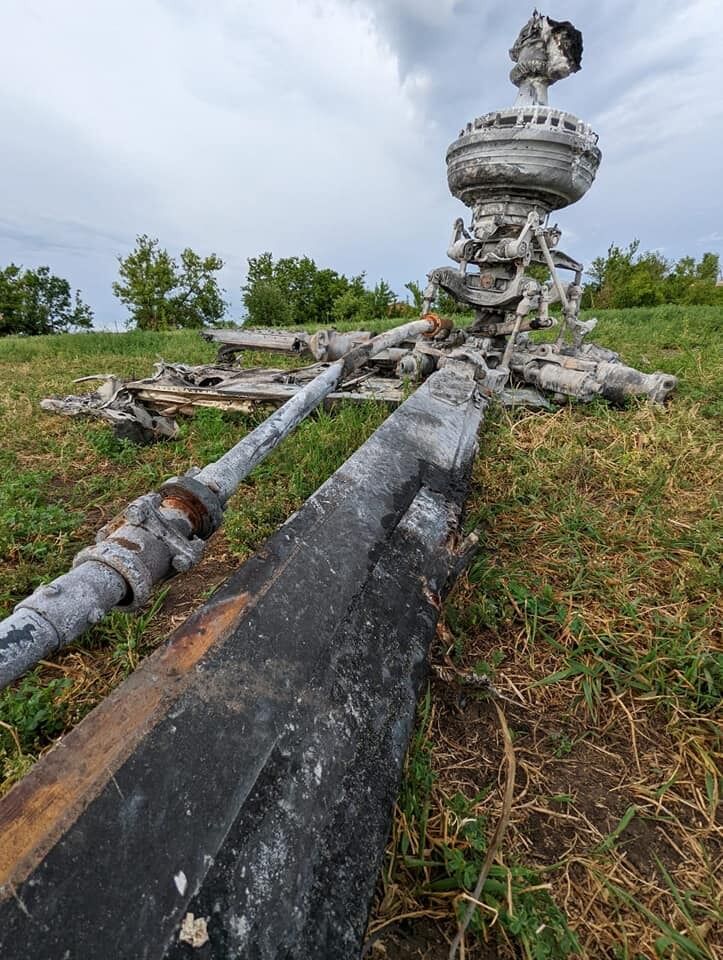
[{"x": 593, "y": 606}]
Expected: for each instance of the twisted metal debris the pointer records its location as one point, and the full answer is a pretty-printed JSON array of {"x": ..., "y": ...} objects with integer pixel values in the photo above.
[
  {"x": 512, "y": 168},
  {"x": 163, "y": 533},
  {"x": 234, "y": 794}
]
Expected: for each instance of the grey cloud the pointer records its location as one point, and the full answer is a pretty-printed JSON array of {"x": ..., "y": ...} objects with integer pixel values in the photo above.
[
  {"x": 647, "y": 75},
  {"x": 321, "y": 128}
]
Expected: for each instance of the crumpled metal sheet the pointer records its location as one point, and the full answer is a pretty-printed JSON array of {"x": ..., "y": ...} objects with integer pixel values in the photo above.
[
  {"x": 145, "y": 410},
  {"x": 542, "y": 375},
  {"x": 112, "y": 401}
]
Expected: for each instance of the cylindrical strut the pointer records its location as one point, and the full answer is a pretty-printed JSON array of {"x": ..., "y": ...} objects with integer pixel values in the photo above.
[
  {"x": 224, "y": 476},
  {"x": 162, "y": 533}
]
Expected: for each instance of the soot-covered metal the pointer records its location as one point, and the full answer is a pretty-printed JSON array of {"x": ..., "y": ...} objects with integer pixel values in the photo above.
[
  {"x": 246, "y": 772},
  {"x": 233, "y": 796}
]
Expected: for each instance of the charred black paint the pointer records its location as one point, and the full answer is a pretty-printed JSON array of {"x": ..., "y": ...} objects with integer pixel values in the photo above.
[{"x": 260, "y": 790}]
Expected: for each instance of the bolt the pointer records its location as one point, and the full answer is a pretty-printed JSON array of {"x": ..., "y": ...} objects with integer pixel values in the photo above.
[
  {"x": 49, "y": 590},
  {"x": 136, "y": 513}
]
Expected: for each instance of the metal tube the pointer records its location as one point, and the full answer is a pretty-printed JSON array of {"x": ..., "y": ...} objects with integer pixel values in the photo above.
[
  {"x": 55, "y": 614},
  {"x": 390, "y": 338},
  {"x": 224, "y": 476},
  {"x": 505, "y": 362},
  {"x": 350, "y": 611},
  {"x": 553, "y": 272},
  {"x": 159, "y": 535}
]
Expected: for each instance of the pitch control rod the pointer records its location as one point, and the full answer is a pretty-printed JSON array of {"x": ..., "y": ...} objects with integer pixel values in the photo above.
[{"x": 163, "y": 533}]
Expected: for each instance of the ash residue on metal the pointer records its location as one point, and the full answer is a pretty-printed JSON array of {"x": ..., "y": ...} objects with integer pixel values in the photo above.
[
  {"x": 307, "y": 845},
  {"x": 265, "y": 780}
]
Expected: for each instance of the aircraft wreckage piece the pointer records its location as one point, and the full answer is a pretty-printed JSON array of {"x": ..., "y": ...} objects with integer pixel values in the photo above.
[
  {"x": 162, "y": 533},
  {"x": 232, "y": 797},
  {"x": 236, "y": 791},
  {"x": 512, "y": 168},
  {"x": 323, "y": 345},
  {"x": 535, "y": 364},
  {"x": 144, "y": 410}
]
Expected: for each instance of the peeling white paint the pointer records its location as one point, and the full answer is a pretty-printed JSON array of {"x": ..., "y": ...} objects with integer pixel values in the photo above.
[{"x": 181, "y": 882}]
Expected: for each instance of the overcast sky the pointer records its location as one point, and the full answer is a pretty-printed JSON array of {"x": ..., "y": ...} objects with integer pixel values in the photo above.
[{"x": 319, "y": 127}]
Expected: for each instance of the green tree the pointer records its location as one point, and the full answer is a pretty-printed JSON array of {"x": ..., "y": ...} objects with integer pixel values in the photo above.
[
  {"x": 294, "y": 290},
  {"x": 447, "y": 306},
  {"x": 38, "y": 302},
  {"x": 628, "y": 278},
  {"x": 625, "y": 278},
  {"x": 382, "y": 297},
  {"x": 702, "y": 293},
  {"x": 417, "y": 294},
  {"x": 708, "y": 270},
  {"x": 267, "y": 304},
  {"x": 444, "y": 303},
  {"x": 353, "y": 306},
  {"x": 162, "y": 294}
]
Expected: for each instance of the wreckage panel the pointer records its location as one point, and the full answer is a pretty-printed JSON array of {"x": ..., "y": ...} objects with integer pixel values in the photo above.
[
  {"x": 276, "y": 341},
  {"x": 245, "y": 397},
  {"x": 197, "y": 754},
  {"x": 318, "y": 816}
]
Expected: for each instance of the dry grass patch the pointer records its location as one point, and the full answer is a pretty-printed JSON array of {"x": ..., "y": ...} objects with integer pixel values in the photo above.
[{"x": 594, "y": 608}]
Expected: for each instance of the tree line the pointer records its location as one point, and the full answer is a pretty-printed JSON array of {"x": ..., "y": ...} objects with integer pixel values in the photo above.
[
  {"x": 627, "y": 278},
  {"x": 162, "y": 292}
]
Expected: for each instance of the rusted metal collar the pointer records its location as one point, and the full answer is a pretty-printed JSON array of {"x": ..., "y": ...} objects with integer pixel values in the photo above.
[{"x": 439, "y": 324}]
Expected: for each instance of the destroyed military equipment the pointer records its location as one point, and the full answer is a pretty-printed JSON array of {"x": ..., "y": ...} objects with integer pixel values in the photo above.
[
  {"x": 512, "y": 168},
  {"x": 250, "y": 765},
  {"x": 162, "y": 533},
  {"x": 540, "y": 374}
]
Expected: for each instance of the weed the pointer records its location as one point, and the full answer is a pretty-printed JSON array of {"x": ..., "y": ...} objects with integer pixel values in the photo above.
[
  {"x": 562, "y": 798},
  {"x": 126, "y": 634},
  {"x": 107, "y": 445},
  {"x": 488, "y": 668},
  {"x": 31, "y": 524},
  {"x": 212, "y": 430},
  {"x": 593, "y": 603},
  {"x": 671, "y": 942},
  {"x": 415, "y": 795},
  {"x": 675, "y": 670},
  {"x": 513, "y": 897},
  {"x": 33, "y": 712},
  {"x": 561, "y": 745}
]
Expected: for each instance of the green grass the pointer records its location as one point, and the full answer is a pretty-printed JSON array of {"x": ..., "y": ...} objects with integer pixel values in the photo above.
[
  {"x": 515, "y": 895},
  {"x": 63, "y": 478},
  {"x": 176, "y": 345},
  {"x": 595, "y": 599},
  {"x": 597, "y": 595}
]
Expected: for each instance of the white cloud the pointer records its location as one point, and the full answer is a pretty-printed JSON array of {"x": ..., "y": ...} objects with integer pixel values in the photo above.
[
  {"x": 233, "y": 126},
  {"x": 676, "y": 56},
  {"x": 319, "y": 127},
  {"x": 431, "y": 13}
]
